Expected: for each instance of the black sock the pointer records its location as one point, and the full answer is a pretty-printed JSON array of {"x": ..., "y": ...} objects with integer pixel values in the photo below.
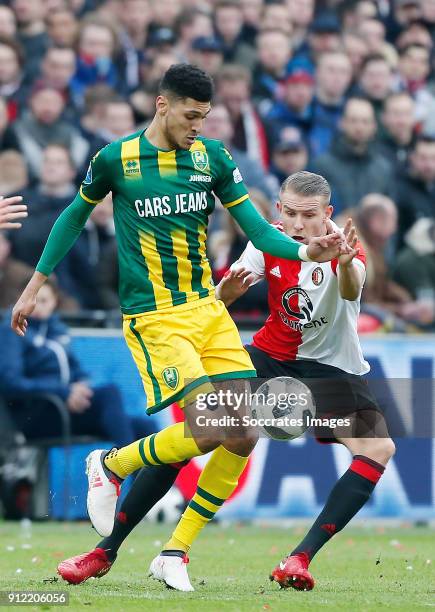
[
  {"x": 150, "y": 485},
  {"x": 347, "y": 497}
]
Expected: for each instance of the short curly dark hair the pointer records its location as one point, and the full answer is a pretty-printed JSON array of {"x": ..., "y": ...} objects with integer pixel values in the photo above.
[{"x": 187, "y": 81}]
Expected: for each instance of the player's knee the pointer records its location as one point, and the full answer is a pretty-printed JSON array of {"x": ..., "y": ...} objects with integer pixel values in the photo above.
[
  {"x": 206, "y": 445},
  {"x": 241, "y": 446},
  {"x": 378, "y": 449},
  {"x": 388, "y": 448}
]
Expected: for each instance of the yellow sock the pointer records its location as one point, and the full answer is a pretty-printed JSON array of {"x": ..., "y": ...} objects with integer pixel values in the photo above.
[
  {"x": 217, "y": 481},
  {"x": 171, "y": 445}
]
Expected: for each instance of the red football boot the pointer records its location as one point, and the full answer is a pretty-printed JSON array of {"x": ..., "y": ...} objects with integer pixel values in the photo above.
[
  {"x": 293, "y": 572},
  {"x": 93, "y": 564}
]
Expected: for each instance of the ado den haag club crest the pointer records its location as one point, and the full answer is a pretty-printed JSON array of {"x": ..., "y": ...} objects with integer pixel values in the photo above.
[
  {"x": 200, "y": 161},
  {"x": 170, "y": 376}
]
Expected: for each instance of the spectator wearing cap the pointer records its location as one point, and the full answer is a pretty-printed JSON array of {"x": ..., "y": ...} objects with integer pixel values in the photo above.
[
  {"x": 289, "y": 153},
  {"x": 352, "y": 166},
  {"x": 295, "y": 104},
  {"x": 274, "y": 52},
  {"x": 12, "y": 86},
  {"x": 414, "y": 270},
  {"x": 233, "y": 89},
  {"x": 218, "y": 126},
  {"x": 97, "y": 45},
  {"x": 333, "y": 77},
  {"x": 161, "y": 40},
  {"x": 228, "y": 22},
  {"x": 134, "y": 17},
  {"x": 207, "y": 53},
  {"x": 396, "y": 134},
  {"x": 376, "y": 82},
  {"x": 42, "y": 124},
  {"x": 324, "y": 34},
  {"x": 32, "y": 33},
  {"x": 415, "y": 188},
  {"x": 190, "y": 24}
]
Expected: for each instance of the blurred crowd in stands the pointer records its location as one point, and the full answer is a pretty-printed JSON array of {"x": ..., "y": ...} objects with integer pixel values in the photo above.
[{"x": 345, "y": 89}]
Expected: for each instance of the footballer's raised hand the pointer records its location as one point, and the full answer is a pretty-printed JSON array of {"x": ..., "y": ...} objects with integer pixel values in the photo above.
[
  {"x": 234, "y": 284},
  {"x": 351, "y": 237},
  {"x": 26, "y": 303},
  {"x": 327, "y": 247},
  {"x": 11, "y": 209}
]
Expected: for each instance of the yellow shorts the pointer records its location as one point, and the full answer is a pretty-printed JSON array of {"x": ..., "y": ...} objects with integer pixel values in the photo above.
[{"x": 177, "y": 350}]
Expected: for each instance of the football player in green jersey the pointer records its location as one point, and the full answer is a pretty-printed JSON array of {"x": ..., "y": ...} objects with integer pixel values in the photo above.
[{"x": 163, "y": 182}]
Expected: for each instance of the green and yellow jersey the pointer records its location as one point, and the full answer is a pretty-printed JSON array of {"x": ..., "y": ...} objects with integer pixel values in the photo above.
[{"x": 162, "y": 201}]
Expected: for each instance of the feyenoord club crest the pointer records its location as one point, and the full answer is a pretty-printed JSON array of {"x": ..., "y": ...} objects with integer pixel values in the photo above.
[
  {"x": 170, "y": 376},
  {"x": 200, "y": 161},
  {"x": 317, "y": 276}
]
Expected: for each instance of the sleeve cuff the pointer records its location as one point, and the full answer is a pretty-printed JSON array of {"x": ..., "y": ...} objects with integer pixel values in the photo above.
[{"x": 302, "y": 253}]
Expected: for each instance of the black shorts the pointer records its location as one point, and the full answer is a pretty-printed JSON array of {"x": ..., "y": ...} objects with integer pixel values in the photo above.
[{"x": 337, "y": 395}]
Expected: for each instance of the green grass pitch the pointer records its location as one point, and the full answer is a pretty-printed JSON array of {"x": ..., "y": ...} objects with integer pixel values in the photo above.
[{"x": 362, "y": 569}]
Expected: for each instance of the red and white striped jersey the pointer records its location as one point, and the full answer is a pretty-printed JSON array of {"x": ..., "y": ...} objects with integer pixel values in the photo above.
[{"x": 308, "y": 317}]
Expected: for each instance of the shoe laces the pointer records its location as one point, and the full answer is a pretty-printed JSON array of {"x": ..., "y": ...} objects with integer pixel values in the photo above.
[{"x": 92, "y": 556}]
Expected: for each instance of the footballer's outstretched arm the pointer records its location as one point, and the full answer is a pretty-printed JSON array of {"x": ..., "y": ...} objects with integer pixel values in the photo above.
[
  {"x": 270, "y": 240},
  {"x": 63, "y": 235}
]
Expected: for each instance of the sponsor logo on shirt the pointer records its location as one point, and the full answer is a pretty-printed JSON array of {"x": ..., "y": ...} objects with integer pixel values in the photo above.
[
  {"x": 297, "y": 297},
  {"x": 171, "y": 377},
  {"x": 317, "y": 276},
  {"x": 200, "y": 161},
  {"x": 237, "y": 176},
  {"x": 131, "y": 166},
  {"x": 276, "y": 272},
  {"x": 200, "y": 178},
  {"x": 88, "y": 178},
  {"x": 167, "y": 205}
]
